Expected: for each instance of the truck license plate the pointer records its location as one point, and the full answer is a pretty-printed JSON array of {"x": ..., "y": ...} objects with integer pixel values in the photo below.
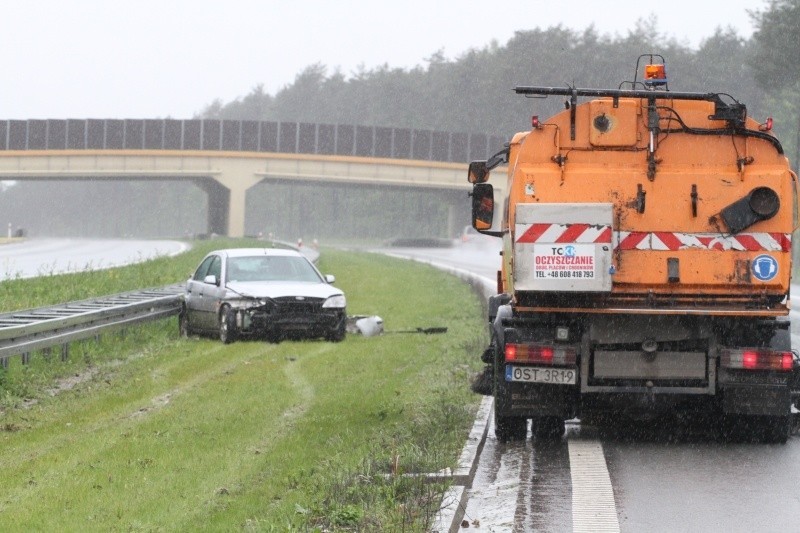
[{"x": 531, "y": 374}]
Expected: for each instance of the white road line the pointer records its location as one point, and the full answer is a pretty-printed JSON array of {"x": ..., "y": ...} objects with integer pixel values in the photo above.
[{"x": 593, "y": 507}]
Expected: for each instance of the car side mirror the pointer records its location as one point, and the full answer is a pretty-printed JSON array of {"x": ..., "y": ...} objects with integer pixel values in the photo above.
[
  {"x": 211, "y": 279},
  {"x": 330, "y": 278}
]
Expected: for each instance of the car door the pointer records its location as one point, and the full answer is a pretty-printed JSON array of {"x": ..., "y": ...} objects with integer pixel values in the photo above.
[
  {"x": 202, "y": 297},
  {"x": 212, "y": 294}
]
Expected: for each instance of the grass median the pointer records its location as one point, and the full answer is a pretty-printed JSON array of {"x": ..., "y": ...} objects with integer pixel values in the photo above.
[{"x": 154, "y": 432}]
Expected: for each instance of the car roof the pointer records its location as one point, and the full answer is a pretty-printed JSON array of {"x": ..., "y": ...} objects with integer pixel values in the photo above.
[{"x": 249, "y": 252}]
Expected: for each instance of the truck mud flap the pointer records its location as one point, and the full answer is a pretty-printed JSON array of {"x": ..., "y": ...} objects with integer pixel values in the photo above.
[
  {"x": 755, "y": 400},
  {"x": 529, "y": 400}
]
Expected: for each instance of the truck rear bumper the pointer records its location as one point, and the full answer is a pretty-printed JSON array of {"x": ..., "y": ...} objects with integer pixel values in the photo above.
[{"x": 532, "y": 400}]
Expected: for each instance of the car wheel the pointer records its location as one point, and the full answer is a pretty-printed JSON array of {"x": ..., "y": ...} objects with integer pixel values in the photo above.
[
  {"x": 227, "y": 325},
  {"x": 183, "y": 324},
  {"x": 339, "y": 333}
]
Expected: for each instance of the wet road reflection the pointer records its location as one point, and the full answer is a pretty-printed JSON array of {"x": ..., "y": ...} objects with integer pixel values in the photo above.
[
  {"x": 522, "y": 486},
  {"x": 704, "y": 485},
  {"x": 670, "y": 474}
]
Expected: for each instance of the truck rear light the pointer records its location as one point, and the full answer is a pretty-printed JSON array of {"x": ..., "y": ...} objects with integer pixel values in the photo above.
[
  {"x": 757, "y": 359},
  {"x": 541, "y": 354}
]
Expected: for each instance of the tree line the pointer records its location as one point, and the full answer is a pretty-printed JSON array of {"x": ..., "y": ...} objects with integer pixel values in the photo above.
[{"x": 474, "y": 92}]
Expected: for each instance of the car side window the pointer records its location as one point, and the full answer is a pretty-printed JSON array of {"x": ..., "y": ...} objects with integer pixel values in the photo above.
[
  {"x": 215, "y": 269},
  {"x": 202, "y": 270}
]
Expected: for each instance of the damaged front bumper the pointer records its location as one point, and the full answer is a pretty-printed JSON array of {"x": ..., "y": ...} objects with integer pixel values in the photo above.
[{"x": 290, "y": 317}]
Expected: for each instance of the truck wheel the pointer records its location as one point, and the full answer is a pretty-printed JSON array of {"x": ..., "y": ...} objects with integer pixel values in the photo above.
[
  {"x": 765, "y": 429},
  {"x": 489, "y": 353},
  {"x": 777, "y": 429},
  {"x": 507, "y": 428},
  {"x": 483, "y": 382},
  {"x": 227, "y": 325},
  {"x": 547, "y": 427}
]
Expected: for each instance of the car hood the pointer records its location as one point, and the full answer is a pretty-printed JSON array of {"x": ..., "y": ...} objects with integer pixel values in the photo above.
[{"x": 278, "y": 289}]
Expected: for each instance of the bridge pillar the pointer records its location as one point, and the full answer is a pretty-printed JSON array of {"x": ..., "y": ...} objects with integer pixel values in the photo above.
[
  {"x": 227, "y": 195},
  {"x": 457, "y": 212},
  {"x": 218, "y": 206}
]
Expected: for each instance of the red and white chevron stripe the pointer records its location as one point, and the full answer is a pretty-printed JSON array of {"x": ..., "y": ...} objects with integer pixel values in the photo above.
[
  {"x": 565, "y": 233},
  {"x": 667, "y": 240},
  {"x": 656, "y": 240}
]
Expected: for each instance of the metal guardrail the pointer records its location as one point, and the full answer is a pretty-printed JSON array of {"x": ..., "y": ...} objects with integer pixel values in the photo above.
[{"x": 22, "y": 332}]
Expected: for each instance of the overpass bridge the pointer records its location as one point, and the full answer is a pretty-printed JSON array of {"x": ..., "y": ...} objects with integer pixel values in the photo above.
[{"x": 226, "y": 158}]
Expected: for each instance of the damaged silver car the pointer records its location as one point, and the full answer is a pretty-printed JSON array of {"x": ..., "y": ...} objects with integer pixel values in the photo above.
[{"x": 266, "y": 293}]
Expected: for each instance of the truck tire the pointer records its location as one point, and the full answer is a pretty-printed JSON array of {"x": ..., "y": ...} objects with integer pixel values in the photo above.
[
  {"x": 776, "y": 429},
  {"x": 508, "y": 428},
  {"x": 764, "y": 429},
  {"x": 483, "y": 382},
  {"x": 227, "y": 325},
  {"x": 547, "y": 427}
]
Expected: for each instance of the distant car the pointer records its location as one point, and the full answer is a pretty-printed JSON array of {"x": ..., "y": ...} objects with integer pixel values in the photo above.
[
  {"x": 470, "y": 235},
  {"x": 270, "y": 293}
]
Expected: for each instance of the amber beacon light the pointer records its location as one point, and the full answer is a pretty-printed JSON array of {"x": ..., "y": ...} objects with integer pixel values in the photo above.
[{"x": 655, "y": 75}]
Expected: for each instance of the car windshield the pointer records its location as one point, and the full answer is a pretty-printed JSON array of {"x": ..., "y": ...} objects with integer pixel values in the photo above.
[{"x": 271, "y": 268}]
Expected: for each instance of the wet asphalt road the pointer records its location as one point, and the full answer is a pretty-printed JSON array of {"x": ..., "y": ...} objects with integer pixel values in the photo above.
[
  {"x": 667, "y": 475},
  {"x": 663, "y": 478},
  {"x": 41, "y": 257}
]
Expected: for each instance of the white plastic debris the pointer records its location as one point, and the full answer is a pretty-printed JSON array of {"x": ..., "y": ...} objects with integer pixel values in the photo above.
[{"x": 370, "y": 326}]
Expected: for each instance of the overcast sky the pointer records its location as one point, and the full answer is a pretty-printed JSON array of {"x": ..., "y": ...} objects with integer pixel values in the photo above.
[{"x": 170, "y": 58}]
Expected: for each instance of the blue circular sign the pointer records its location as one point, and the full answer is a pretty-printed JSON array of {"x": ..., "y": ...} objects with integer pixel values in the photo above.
[{"x": 765, "y": 267}]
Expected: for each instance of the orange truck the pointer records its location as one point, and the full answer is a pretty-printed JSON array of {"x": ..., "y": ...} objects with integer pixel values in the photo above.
[{"x": 646, "y": 261}]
